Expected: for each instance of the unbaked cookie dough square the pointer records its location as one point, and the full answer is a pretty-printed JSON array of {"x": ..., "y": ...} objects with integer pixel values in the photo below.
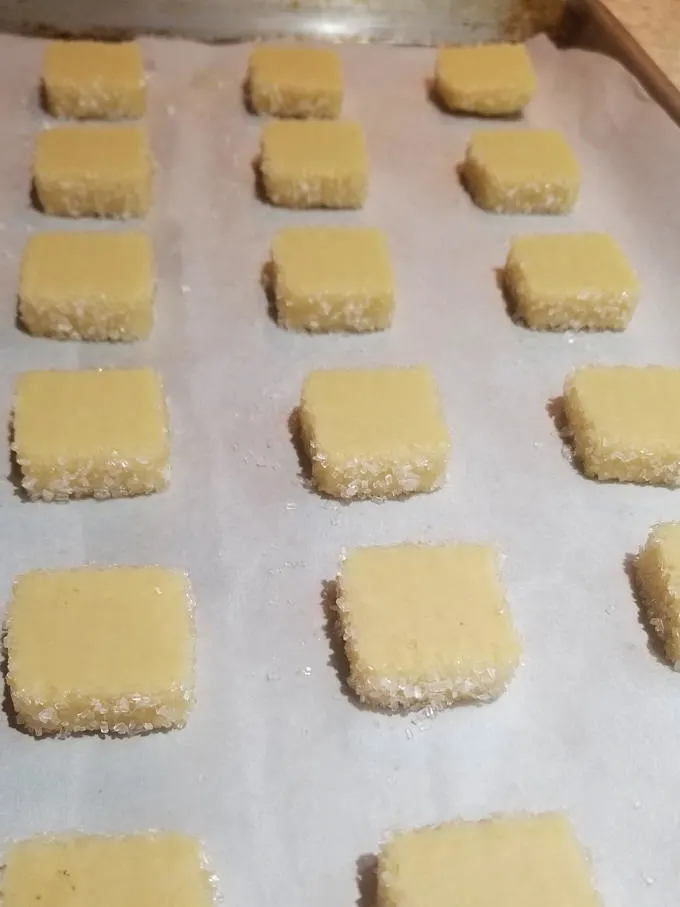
[
  {"x": 510, "y": 860},
  {"x": 109, "y": 650},
  {"x": 88, "y": 286},
  {"x": 521, "y": 171},
  {"x": 295, "y": 82},
  {"x": 426, "y": 625},
  {"x": 332, "y": 279},
  {"x": 566, "y": 282},
  {"x": 93, "y": 171},
  {"x": 624, "y": 423},
  {"x": 314, "y": 164},
  {"x": 99, "y": 80},
  {"x": 485, "y": 79},
  {"x": 141, "y": 869},
  {"x": 100, "y": 433},
  {"x": 657, "y": 569},
  {"x": 374, "y": 433}
]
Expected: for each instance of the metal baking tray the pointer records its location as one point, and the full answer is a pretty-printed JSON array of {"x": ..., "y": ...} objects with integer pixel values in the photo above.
[
  {"x": 287, "y": 782},
  {"x": 397, "y": 21}
]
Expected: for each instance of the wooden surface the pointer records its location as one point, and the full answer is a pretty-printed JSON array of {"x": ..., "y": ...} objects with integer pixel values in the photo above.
[
  {"x": 618, "y": 28},
  {"x": 654, "y": 25}
]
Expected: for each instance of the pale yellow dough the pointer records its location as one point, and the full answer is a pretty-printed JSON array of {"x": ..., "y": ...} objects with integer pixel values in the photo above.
[
  {"x": 509, "y": 861},
  {"x": 93, "y": 171},
  {"x": 102, "y": 433},
  {"x": 295, "y": 81},
  {"x": 88, "y": 286},
  {"x": 426, "y": 625},
  {"x": 108, "y": 650},
  {"x": 578, "y": 281},
  {"x": 521, "y": 171},
  {"x": 485, "y": 79},
  {"x": 99, "y": 80},
  {"x": 374, "y": 433},
  {"x": 314, "y": 164},
  {"x": 624, "y": 423},
  {"x": 332, "y": 279},
  {"x": 144, "y": 870},
  {"x": 658, "y": 582}
]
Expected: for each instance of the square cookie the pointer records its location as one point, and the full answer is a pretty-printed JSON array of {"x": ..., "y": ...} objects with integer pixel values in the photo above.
[
  {"x": 314, "y": 164},
  {"x": 88, "y": 286},
  {"x": 426, "y": 625},
  {"x": 101, "y": 433},
  {"x": 485, "y": 79},
  {"x": 139, "y": 869},
  {"x": 295, "y": 81},
  {"x": 332, "y": 279},
  {"x": 521, "y": 171},
  {"x": 624, "y": 423},
  {"x": 512, "y": 860},
  {"x": 657, "y": 571},
  {"x": 565, "y": 282},
  {"x": 99, "y": 80},
  {"x": 108, "y": 650},
  {"x": 374, "y": 433},
  {"x": 93, "y": 171}
]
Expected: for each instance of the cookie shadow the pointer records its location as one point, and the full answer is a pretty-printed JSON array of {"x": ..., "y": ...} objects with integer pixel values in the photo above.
[
  {"x": 43, "y": 105},
  {"x": 367, "y": 880},
  {"x": 507, "y": 296},
  {"x": 18, "y": 321},
  {"x": 337, "y": 659},
  {"x": 258, "y": 181},
  {"x": 433, "y": 97},
  {"x": 247, "y": 97},
  {"x": 556, "y": 410},
  {"x": 34, "y": 199},
  {"x": 267, "y": 282},
  {"x": 295, "y": 433},
  {"x": 14, "y": 475},
  {"x": 462, "y": 176},
  {"x": 7, "y": 701},
  {"x": 654, "y": 641}
]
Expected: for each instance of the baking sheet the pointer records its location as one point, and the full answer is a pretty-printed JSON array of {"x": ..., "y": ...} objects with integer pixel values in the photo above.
[
  {"x": 288, "y": 782},
  {"x": 397, "y": 21}
]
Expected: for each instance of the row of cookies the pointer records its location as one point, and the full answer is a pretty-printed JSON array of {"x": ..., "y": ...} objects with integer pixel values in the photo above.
[
  {"x": 91, "y": 285},
  {"x": 95, "y": 286},
  {"x": 480, "y": 860},
  {"x": 97, "y": 432},
  {"x": 65, "y": 629},
  {"x": 422, "y": 625}
]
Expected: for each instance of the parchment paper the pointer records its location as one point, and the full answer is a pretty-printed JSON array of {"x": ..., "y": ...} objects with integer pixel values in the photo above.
[{"x": 289, "y": 784}]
